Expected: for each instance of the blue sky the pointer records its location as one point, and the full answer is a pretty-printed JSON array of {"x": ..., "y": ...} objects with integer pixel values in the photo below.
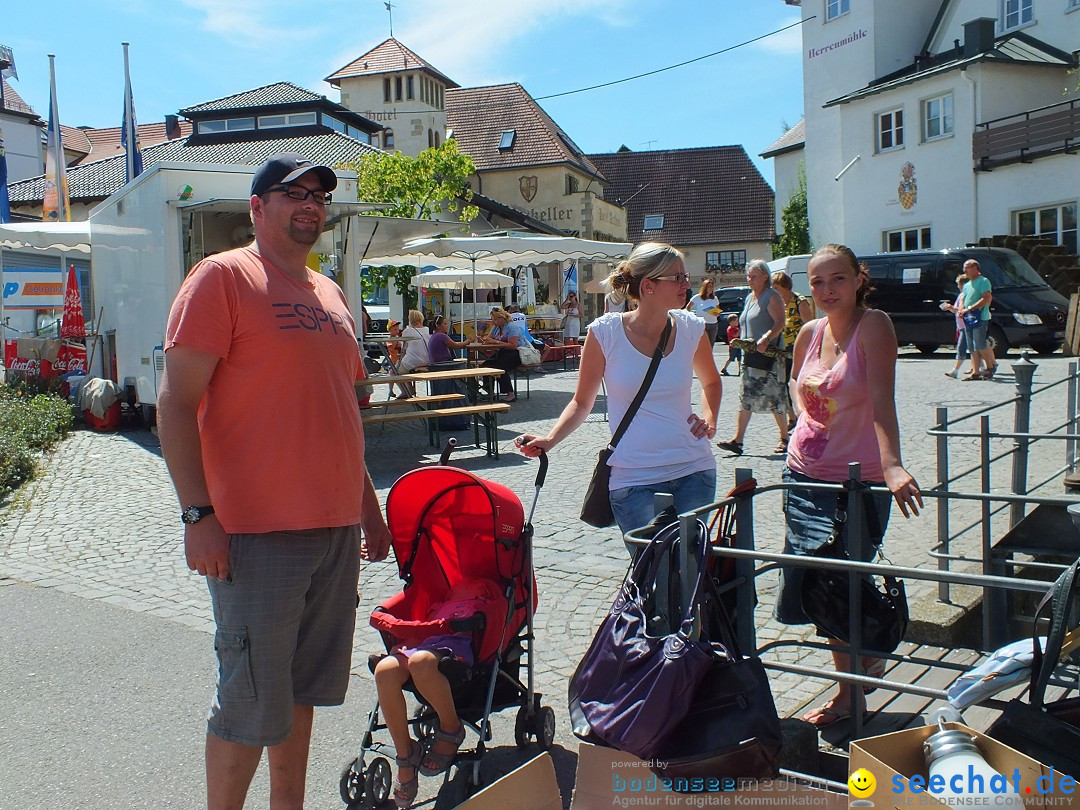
[{"x": 184, "y": 52}]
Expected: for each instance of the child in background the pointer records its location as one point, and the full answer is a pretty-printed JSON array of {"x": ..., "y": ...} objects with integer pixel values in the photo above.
[{"x": 733, "y": 353}]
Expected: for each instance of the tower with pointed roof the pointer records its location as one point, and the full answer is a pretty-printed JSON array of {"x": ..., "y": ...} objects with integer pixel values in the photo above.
[{"x": 390, "y": 84}]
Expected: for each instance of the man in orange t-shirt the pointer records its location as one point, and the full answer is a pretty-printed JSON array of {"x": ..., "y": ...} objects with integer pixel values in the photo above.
[{"x": 260, "y": 430}]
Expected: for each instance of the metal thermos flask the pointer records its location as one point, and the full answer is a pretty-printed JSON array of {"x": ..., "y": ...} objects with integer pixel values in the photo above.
[{"x": 953, "y": 755}]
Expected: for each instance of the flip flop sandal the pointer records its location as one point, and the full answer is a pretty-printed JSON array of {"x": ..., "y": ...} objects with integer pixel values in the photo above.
[
  {"x": 434, "y": 762},
  {"x": 829, "y": 716},
  {"x": 781, "y": 447},
  {"x": 405, "y": 792},
  {"x": 731, "y": 446}
]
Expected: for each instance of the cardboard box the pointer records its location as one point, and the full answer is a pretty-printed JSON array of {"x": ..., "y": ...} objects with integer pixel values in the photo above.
[
  {"x": 608, "y": 778},
  {"x": 899, "y": 757}
]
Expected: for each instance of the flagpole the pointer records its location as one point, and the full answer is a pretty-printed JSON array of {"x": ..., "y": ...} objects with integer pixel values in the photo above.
[{"x": 129, "y": 132}]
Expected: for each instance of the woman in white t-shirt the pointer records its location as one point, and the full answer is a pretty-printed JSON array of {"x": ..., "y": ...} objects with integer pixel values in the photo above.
[
  {"x": 707, "y": 306},
  {"x": 666, "y": 446},
  {"x": 416, "y": 350}
]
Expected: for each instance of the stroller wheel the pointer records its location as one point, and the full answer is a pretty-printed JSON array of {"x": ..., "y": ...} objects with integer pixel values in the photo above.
[
  {"x": 523, "y": 727},
  {"x": 377, "y": 782},
  {"x": 545, "y": 727},
  {"x": 352, "y": 783},
  {"x": 423, "y": 723}
]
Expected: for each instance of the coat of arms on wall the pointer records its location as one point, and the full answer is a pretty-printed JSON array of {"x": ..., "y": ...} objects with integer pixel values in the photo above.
[
  {"x": 527, "y": 184},
  {"x": 907, "y": 192}
]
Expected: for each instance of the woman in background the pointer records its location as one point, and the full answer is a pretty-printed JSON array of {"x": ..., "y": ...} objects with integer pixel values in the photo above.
[
  {"x": 571, "y": 308},
  {"x": 706, "y": 306}
]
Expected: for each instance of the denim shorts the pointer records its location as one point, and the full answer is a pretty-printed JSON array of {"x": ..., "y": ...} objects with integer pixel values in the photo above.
[
  {"x": 634, "y": 506},
  {"x": 961, "y": 345},
  {"x": 284, "y": 630},
  {"x": 808, "y": 516},
  {"x": 976, "y": 336}
]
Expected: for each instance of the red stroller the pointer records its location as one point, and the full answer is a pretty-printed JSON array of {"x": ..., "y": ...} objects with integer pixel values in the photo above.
[{"x": 448, "y": 525}]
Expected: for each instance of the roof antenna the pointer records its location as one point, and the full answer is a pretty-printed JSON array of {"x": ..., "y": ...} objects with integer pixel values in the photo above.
[{"x": 390, "y": 11}]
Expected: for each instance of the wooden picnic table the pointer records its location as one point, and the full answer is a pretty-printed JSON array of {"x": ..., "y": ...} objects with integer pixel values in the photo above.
[{"x": 479, "y": 412}]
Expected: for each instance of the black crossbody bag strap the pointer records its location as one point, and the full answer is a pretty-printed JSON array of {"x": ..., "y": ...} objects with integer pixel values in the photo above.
[{"x": 624, "y": 425}]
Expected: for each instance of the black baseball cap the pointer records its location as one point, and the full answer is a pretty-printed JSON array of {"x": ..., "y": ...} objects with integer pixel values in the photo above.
[{"x": 286, "y": 167}]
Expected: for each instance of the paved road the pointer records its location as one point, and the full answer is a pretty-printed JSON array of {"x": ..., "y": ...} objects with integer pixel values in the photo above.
[{"x": 106, "y": 666}]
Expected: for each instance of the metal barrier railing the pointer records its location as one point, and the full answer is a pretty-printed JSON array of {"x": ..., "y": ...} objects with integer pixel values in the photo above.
[
  {"x": 746, "y": 556},
  {"x": 994, "y": 604}
]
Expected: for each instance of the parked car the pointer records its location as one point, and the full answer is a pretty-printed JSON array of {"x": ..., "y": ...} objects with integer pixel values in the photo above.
[
  {"x": 911, "y": 285},
  {"x": 731, "y": 301}
]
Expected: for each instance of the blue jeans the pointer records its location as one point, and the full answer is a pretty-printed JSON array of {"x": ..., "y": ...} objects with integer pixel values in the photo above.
[
  {"x": 962, "y": 345},
  {"x": 976, "y": 336},
  {"x": 633, "y": 506}
]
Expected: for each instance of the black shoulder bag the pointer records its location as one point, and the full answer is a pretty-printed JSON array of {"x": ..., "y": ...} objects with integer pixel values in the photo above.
[
  {"x": 596, "y": 510},
  {"x": 825, "y": 592},
  {"x": 1048, "y": 732}
]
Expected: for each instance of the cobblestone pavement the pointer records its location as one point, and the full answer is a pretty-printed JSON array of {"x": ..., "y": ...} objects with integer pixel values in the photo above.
[{"x": 101, "y": 522}]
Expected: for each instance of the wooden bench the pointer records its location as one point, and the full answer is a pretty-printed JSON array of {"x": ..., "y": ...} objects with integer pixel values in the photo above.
[
  {"x": 417, "y": 401},
  {"x": 486, "y": 413}
]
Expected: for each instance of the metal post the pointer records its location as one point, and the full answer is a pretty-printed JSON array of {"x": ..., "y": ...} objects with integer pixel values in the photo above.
[
  {"x": 993, "y": 609},
  {"x": 855, "y": 542},
  {"x": 745, "y": 631},
  {"x": 1070, "y": 419},
  {"x": 942, "y": 442},
  {"x": 1024, "y": 370}
]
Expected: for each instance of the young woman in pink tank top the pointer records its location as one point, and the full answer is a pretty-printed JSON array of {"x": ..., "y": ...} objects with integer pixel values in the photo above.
[{"x": 842, "y": 418}]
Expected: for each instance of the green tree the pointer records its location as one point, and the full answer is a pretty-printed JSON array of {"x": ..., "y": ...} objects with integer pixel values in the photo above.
[
  {"x": 422, "y": 187},
  {"x": 795, "y": 221}
]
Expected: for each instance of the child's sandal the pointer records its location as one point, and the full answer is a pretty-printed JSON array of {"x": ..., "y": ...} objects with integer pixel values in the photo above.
[
  {"x": 434, "y": 762},
  {"x": 405, "y": 792}
]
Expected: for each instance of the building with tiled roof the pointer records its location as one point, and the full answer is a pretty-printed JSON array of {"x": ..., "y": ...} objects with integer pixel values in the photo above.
[
  {"x": 389, "y": 56},
  {"x": 789, "y": 167},
  {"x": 710, "y": 202},
  {"x": 105, "y": 142},
  {"x": 937, "y": 123},
  {"x": 22, "y": 134},
  {"x": 244, "y": 128},
  {"x": 392, "y": 85}
]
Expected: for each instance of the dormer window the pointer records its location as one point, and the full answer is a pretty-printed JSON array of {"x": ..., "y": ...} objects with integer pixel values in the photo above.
[
  {"x": 506, "y": 141},
  {"x": 653, "y": 222},
  {"x": 226, "y": 125}
]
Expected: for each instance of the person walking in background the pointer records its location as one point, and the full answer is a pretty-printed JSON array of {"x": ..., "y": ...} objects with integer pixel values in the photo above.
[
  {"x": 797, "y": 311},
  {"x": 734, "y": 353},
  {"x": 706, "y": 306},
  {"x": 273, "y": 498},
  {"x": 762, "y": 321},
  {"x": 571, "y": 308},
  {"x": 976, "y": 315},
  {"x": 844, "y": 389},
  {"x": 666, "y": 446},
  {"x": 961, "y": 333}
]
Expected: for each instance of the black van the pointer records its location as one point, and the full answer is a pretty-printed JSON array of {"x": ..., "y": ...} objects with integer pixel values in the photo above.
[{"x": 911, "y": 285}]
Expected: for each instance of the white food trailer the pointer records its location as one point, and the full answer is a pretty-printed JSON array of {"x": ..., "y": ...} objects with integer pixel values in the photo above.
[{"x": 146, "y": 236}]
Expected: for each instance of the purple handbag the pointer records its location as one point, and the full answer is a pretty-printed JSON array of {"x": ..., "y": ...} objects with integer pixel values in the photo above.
[{"x": 632, "y": 688}]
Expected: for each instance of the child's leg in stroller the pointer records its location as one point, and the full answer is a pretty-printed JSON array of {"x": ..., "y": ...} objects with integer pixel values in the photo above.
[
  {"x": 432, "y": 684},
  {"x": 391, "y": 673}
]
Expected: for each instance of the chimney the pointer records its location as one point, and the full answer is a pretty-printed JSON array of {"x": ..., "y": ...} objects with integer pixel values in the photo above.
[
  {"x": 172, "y": 127},
  {"x": 979, "y": 36}
]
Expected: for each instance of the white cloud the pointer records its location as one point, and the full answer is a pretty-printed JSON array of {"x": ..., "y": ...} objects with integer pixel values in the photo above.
[
  {"x": 471, "y": 48},
  {"x": 252, "y": 23},
  {"x": 786, "y": 42}
]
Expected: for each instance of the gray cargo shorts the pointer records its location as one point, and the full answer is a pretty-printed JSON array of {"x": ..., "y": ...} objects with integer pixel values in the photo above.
[{"x": 285, "y": 627}]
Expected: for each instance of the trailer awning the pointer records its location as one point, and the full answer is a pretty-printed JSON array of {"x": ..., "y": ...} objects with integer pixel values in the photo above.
[{"x": 335, "y": 212}]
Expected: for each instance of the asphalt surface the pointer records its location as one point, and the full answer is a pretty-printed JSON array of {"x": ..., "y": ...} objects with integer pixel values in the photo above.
[{"x": 106, "y": 660}]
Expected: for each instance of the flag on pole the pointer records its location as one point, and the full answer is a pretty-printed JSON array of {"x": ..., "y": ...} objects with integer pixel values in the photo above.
[
  {"x": 57, "y": 204},
  {"x": 5, "y": 203},
  {"x": 570, "y": 279},
  {"x": 7, "y": 63},
  {"x": 129, "y": 131}
]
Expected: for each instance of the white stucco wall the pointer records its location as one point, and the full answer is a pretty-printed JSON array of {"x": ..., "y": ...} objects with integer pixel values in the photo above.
[
  {"x": 22, "y": 143},
  {"x": 410, "y": 119}
]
